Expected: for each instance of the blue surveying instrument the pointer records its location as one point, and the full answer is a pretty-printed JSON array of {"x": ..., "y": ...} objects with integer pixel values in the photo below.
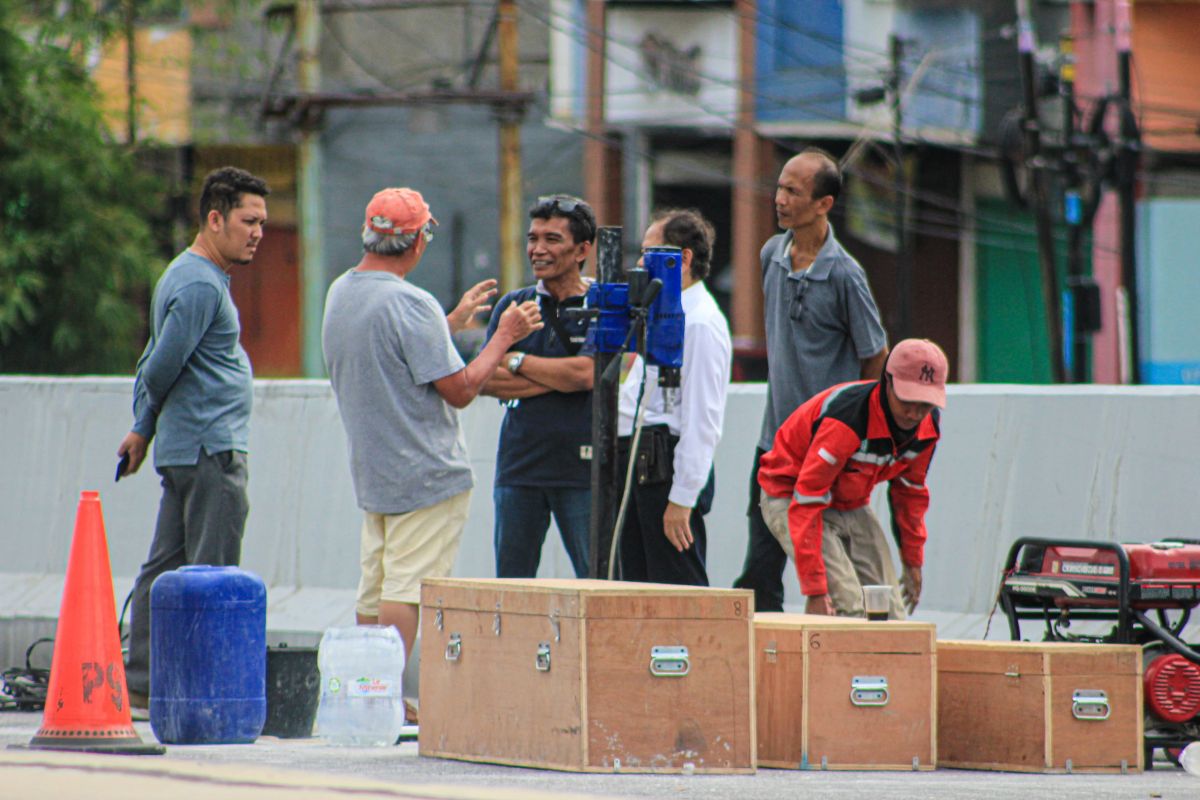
[
  {"x": 637, "y": 310},
  {"x": 645, "y": 312}
]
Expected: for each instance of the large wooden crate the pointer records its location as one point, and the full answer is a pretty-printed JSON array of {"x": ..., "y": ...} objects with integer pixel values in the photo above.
[
  {"x": 591, "y": 676},
  {"x": 1040, "y": 707},
  {"x": 843, "y": 693}
]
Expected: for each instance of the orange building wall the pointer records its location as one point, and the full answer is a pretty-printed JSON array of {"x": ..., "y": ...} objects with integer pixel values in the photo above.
[
  {"x": 267, "y": 290},
  {"x": 267, "y": 294},
  {"x": 163, "y": 57},
  {"x": 1166, "y": 73}
]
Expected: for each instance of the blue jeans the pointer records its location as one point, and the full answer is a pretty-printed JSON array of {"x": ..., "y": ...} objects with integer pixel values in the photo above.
[{"x": 522, "y": 518}]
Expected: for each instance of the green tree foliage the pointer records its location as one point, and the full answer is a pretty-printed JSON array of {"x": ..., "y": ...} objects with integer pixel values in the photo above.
[{"x": 77, "y": 258}]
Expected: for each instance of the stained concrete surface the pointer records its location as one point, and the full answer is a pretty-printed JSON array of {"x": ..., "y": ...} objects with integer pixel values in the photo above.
[{"x": 308, "y": 768}]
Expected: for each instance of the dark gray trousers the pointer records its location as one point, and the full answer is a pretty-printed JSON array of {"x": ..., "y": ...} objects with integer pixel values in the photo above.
[{"x": 200, "y": 521}]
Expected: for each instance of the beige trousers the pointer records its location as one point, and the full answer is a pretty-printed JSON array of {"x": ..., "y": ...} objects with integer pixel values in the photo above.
[{"x": 855, "y": 551}]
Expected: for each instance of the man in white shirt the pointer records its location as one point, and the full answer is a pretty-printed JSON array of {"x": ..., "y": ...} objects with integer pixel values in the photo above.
[{"x": 663, "y": 538}]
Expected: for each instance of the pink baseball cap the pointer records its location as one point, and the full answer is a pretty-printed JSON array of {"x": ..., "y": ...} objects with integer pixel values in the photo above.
[
  {"x": 918, "y": 368},
  {"x": 395, "y": 211}
]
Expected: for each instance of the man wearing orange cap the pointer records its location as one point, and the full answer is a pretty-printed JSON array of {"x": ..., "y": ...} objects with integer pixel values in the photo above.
[
  {"x": 398, "y": 381},
  {"x": 828, "y": 456}
]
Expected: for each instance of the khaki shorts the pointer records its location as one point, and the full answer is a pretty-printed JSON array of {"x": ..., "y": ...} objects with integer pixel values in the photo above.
[
  {"x": 397, "y": 550},
  {"x": 855, "y": 551}
]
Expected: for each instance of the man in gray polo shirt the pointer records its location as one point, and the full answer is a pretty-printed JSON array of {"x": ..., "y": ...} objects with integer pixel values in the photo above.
[
  {"x": 823, "y": 328},
  {"x": 192, "y": 395}
]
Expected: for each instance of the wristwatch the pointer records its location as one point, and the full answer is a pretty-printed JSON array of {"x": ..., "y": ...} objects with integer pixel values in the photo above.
[{"x": 514, "y": 362}]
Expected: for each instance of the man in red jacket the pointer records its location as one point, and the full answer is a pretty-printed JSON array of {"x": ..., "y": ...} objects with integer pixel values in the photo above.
[{"x": 826, "y": 459}]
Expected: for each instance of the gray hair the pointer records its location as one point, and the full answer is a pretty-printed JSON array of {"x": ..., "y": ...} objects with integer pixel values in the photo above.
[{"x": 388, "y": 245}]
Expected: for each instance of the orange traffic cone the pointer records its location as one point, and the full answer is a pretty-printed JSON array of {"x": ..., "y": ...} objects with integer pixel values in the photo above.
[{"x": 87, "y": 704}]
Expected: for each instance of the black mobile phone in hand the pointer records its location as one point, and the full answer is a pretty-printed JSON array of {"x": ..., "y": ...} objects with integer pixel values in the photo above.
[{"x": 122, "y": 465}]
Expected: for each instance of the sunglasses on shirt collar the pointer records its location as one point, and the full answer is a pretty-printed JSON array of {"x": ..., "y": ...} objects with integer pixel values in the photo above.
[{"x": 796, "y": 304}]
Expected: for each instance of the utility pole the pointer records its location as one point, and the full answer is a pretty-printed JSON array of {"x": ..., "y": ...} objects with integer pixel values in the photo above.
[
  {"x": 600, "y": 158},
  {"x": 1073, "y": 212},
  {"x": 751, "y": 200},
  {"x": 1127, "y": 149},
  {"x": 131, "y": 88},
  {"x": 903, "y": 254},
  {"x": 512, "y": 255},
  {"x": 1041, "y": 194},
  {"x": 308, "y": 189}
]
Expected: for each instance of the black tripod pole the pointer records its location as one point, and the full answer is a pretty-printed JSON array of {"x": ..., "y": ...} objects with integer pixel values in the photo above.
[{"x": 604, "y": 420}]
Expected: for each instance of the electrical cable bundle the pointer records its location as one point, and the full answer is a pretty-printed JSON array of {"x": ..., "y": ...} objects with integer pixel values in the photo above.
[{"x": 25, "y": 689}]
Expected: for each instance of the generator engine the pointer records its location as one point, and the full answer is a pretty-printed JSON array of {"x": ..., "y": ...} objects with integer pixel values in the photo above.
[
  {"x": 1091, "y": 591},
  {"x": 1172, "y": 688}
]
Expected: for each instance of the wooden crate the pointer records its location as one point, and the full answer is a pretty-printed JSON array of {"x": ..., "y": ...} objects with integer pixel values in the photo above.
[
  {"x": 1031, "y": 706},
  {"x": 566, "y": 674},
  {"x": 810, "y": 715}
]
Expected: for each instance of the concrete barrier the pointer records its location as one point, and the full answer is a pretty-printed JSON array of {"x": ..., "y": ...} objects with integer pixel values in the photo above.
[{"x": 1112, "y": 463}]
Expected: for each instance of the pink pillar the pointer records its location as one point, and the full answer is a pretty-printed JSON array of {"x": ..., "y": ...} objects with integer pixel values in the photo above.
[{"x": 1092, "y": 26}]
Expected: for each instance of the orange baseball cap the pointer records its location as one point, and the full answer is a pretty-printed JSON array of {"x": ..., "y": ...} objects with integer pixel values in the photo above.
[
  {"x": 395, "y": 211},
  {"x": 918, "y": 368}
]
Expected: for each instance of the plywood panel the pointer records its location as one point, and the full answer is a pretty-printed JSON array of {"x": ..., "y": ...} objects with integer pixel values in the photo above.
[
  {"x": 1103, "y": 659},
  {"x": 806, "y": 666},
  {"x": 1008, "y": 706},
  {"x": 779, "y": 682},
  {"x": 985, "y": 657},
  {"x": 878, "y": 637},
  {"x": 505, "y": 596},
  {"x": 712, "y": 604},
  {"x": 654, "y": 723},
  {"x": 492, "y": 704},
  {"x": 988, "y": 721},
  {"x": 598, "y": 705},
  {"x": 846, "y": 735},
  {"x": 1096, "y": 744}
]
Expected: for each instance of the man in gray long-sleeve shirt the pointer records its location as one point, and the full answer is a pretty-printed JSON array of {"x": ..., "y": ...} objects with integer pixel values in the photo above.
[{"x": 193, "y": 392}]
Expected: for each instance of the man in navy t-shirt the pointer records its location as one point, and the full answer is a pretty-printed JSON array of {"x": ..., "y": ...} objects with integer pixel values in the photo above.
[{"x": 543, "y": 462}]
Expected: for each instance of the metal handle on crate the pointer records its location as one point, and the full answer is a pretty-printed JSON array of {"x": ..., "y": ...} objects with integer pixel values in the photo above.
[
  {"x": 869, "y": 690},
  {"x": 454, "y": 648},
  {"x": 669, "y": 662},
  {"x": 1090, "y": 705},
  {"x": 542, "y": 659}
]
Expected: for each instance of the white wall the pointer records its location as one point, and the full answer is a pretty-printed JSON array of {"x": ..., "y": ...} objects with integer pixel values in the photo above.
[{"x": 1106, "y": 462}]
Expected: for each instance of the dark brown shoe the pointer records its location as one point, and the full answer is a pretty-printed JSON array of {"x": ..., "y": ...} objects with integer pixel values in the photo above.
[{"x": 139, "y": 706}]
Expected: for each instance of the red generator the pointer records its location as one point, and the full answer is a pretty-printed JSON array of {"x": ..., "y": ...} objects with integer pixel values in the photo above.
[{"x": 1118, "y": 594}]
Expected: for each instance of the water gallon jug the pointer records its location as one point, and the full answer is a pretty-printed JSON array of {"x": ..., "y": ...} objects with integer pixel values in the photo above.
[
  {"x": 1189, "y": 759},
  {"x": 208, "y": 656},
  {"x": 362, "y": 669}
]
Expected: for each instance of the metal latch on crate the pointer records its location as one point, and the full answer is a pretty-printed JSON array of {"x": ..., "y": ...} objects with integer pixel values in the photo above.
[
  {"x": 869, "y": 690},
  {"x": 1090, "y": 704},
  {"x": 669, "y": 662},
  {"x": 454, "y": 647},
  {"x": 542, "y": 659}
]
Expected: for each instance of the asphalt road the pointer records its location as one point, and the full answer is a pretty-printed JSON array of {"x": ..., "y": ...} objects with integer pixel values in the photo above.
[{"x": 399, "y": 772}]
